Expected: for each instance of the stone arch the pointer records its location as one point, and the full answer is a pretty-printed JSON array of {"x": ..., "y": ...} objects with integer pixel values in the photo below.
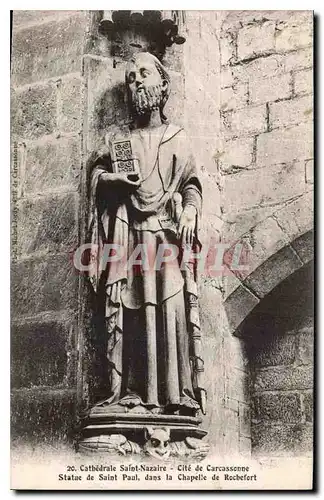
[
  {"x": 279, "y": 344},
  {"x": 270, "y": 311},
  {"x": 279, "y": 246}
]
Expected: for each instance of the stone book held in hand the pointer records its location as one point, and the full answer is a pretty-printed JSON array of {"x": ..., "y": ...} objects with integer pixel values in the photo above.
[{"x": 123, "y": 160}]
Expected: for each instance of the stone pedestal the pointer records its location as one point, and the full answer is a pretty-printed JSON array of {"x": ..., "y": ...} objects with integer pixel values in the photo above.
[{"x": 157, "y": 435}]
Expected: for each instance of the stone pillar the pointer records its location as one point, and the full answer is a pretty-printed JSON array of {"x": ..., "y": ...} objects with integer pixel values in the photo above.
[{"x": 227, "y": 418}]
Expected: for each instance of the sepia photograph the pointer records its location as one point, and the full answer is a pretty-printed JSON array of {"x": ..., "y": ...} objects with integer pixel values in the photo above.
[{"x": 162, "y": 250}]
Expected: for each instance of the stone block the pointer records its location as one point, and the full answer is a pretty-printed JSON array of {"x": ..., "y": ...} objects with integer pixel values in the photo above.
[
  {"x": 293, "y": 34},
  {"x": 21, "y": 18},
  {"x": 282, "y": 407},
  {"x": 296, "y": 218},
  {"x": 52, "y": 164},
  {"x": 43, "y": 284},
  {"x": 308, "y": 404},
  {"x": 309, "y": 171},
  {"x": 285, "y": 146},
  {"x": 238, "y": 18},
  {"x": 70, "y": 105},
  {"x": 281, "y": 439},
  {"x": 48, "y": 224},
  {"x": 174, "y": 58},
  {"x": 43, "y": 415},
  {"x": 237, "y": 383},
  {"x": 211, "y": 222},
  {"x": 275, "y": 350},
  {"x": 262, "y": 187},
  {"x": 271, "y": 66},
  {"x": 231, "y": 443},
  {"x": 270, "y": 89},
  {"x": 273, "y": 271},
  {"x": 200, "y": 94},
  {"x": 175, "y": 106},
  {"x": 226, "y": 77},
  {"x": 236, "y": 154},
  {"x": 213, "y": 362},
  {"x": 33, "y": 111},
  {"x": 234, "y": 97},
  {"x": 304, "y": 246},
  {"x": 231, "y": 282},
  {"x": 232, "y": 404},
  {"x": 306, "y": 347},
  {"x": 227, "y": 49},
  {"x": 212, "y": 330},
  {"x": 238, "y": 224},
  {"x": 307, "y": 321},
  {"x": 292, "y": 112},
  {"x": 298, "y": 60},
  {"x": 238, "y": 305},
  {"x": 263, "y": 240},
  {"x": 211, "y": 314},
  {"x": 245, "y": 446},
  {"x": 38, "y": 354},
  {"x": 284, "y": 378},
  {"x": 105, "y": 104},
  {"x": 48, "y": 49},
  {"x": 213, "y": 418},
  {"x": 260, "y": 68},
  {"x": 303, "y": 82},
  {"x": 246, "y": 121},
  {"x": 231, "y": 418},
  {"x": 255, "y": 40},
  {"x": 235, "y": 355},
  {"x": 245, "y": 420}
]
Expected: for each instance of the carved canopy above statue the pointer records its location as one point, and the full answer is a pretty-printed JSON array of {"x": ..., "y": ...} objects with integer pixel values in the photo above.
[{"x": 161, "y": 25}]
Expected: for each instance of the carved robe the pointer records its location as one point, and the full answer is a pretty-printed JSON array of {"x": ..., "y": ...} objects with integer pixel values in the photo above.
[{"x": 151, "y": 316}]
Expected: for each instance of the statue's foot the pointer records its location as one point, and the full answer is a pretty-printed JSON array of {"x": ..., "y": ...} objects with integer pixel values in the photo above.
[
  {"x": 156, "y": 411},
  {"x": 187, "y": 406},
  {"x": 130, "y": 403}
]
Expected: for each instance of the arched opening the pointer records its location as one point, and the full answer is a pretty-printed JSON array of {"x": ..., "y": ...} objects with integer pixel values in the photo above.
[{"x": 279, "y": 341}]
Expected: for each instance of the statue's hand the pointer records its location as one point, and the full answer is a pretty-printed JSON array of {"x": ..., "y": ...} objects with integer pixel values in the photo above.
[
  {"x": 187, "y": 225},
  {"x": 131, "y": 180}
]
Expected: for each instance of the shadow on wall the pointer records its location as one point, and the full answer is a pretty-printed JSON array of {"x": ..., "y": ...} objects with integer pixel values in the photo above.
[
  {"x": 110, "y": 108},
  {"x": 279, "y": 340}
]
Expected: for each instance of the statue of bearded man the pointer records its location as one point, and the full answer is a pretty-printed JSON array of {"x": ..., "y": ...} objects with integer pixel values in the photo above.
[{"x": 146, "y": 293}]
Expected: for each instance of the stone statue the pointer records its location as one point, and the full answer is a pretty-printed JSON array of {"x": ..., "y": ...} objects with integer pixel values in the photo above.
[{"x": 145, "y": 208}]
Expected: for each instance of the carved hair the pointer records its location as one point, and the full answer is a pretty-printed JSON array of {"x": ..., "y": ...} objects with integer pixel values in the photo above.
[{"x": 164, "y": 75}]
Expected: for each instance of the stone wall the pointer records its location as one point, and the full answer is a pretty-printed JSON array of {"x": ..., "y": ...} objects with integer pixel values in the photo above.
[
  {"x": 47, "y": 103},
  {"x": 266, "y": 108},
  {"x": 265, "y": 164},
  {"x": 280, "y": 345}
]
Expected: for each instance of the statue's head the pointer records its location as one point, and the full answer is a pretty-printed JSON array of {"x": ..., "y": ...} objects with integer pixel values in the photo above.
[{"x": 148, "y": 85}]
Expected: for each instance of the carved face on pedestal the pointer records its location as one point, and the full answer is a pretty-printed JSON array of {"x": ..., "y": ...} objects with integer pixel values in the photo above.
[
  {"x": 157, "y": 444},
  {"x": 147, "y": 83}
]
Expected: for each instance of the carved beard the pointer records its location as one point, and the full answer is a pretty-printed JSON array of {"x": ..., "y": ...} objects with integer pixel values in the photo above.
[{"x": 145, "y": 100}]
